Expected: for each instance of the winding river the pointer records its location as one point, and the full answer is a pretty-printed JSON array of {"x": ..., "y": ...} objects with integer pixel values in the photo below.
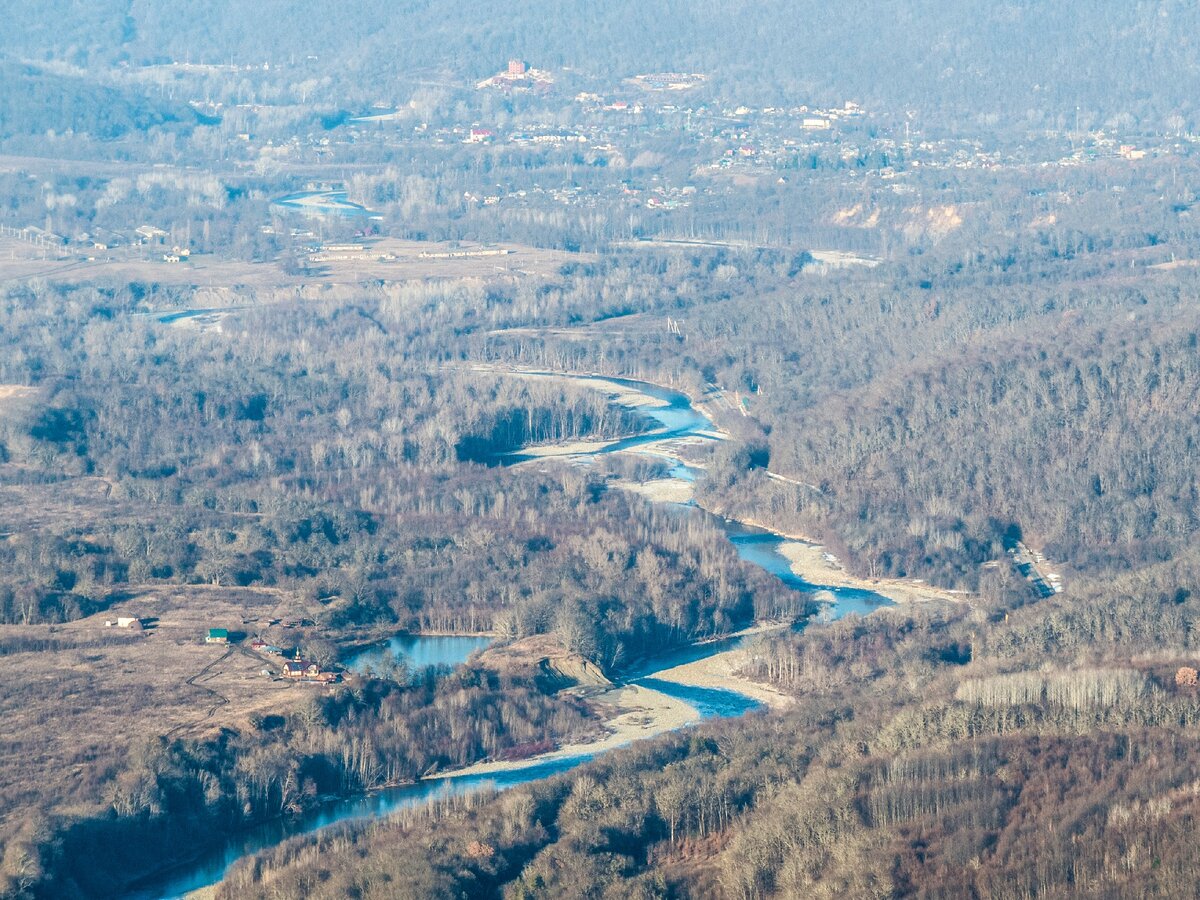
[{"x": 678, "y": 420}]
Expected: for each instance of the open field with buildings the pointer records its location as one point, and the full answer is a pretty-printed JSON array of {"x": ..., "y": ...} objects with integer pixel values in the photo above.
[{"x": 82, "y": 696}]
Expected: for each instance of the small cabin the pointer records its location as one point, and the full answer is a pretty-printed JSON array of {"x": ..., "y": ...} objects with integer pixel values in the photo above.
[{"x": 217, "y": 636}]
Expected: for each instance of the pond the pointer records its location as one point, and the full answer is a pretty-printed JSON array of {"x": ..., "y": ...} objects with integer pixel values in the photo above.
[
  {"x": 419, "y": 651},
  {"x": 332, "y": 203}
]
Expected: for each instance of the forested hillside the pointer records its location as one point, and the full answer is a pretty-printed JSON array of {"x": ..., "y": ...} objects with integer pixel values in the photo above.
[
  {"x": 930, "y": 753},
  {"x": 35, "y": 102},
  {"x": 1028, "y": 64},
  {"x": 927, "y": 427},
  {"x": 1077, "y": 432}
]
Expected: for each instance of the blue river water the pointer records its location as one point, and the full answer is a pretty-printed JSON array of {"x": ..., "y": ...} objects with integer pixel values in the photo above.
[
  {"x": 679, "y": 419},
  {"x": 758, "y": 546},
  {"x": 210, "y": 867}
]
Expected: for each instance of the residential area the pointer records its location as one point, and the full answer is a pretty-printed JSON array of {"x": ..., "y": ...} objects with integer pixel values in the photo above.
[{"x": 650, "y": 155}]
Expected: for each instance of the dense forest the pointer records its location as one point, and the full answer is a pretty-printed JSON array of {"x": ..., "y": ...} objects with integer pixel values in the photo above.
[
  {"x": 954, "y": 454},
  {"x": 339, "y": 448},
  {"x": 388, "y": 516}
]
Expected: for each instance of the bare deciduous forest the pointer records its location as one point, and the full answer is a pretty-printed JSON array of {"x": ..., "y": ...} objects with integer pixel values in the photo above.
[{"x": 322, "y": 331}]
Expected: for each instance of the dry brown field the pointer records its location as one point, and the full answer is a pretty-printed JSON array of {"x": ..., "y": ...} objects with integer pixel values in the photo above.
[
  {"x": 81, "y": 696},
  {"x": 21, "y": 260}
]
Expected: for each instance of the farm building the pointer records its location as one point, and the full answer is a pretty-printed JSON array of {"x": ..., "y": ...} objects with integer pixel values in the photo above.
[
  {"x": 304, "y": 670},
  {"x": 217, "y": 636}
]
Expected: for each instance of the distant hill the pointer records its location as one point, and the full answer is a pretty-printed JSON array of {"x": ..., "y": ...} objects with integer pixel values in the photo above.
[
  {"x": 1018, "y": 63},
  {"x": 33, "y": 102}
]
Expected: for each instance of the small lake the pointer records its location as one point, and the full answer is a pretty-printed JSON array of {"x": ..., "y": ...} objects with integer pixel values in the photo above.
[
  {"x": 318, "y": 203},
  {"x": 418, "y": 651}
]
